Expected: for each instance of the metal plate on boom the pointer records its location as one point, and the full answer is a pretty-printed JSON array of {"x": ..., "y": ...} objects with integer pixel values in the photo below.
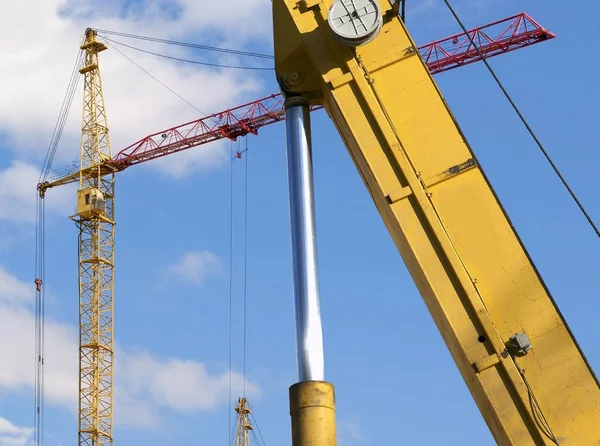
[{"x": 355, "y": 22}]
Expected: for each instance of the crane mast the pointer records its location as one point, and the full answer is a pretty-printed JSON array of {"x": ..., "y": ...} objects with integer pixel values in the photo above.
[
  {"x": 95, "y": 220},
  {"x": 243, "y": 424},
  {"x": 514, "y": 350}
]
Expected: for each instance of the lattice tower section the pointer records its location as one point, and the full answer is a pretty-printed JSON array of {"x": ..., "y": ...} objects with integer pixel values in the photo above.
[{"x": 95, "y": 219}]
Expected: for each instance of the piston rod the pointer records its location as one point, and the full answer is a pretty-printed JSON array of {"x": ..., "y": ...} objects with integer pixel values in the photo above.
[
  {"x": 312, "y": 399},
  {"x": 309, "y": 331}
]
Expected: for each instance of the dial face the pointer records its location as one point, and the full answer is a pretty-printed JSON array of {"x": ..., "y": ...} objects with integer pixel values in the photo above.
[{"x": 355, "y": 21}]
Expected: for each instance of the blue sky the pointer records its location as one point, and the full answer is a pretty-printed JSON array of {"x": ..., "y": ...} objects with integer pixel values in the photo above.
[{"x": 393, "y": 374}]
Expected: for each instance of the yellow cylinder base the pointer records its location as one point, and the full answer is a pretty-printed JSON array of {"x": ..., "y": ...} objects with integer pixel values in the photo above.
[{"x": 312, "y": 408}]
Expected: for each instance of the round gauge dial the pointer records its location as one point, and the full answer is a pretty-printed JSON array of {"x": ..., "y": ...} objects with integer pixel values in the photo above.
[{"x": 355, "y": 22}]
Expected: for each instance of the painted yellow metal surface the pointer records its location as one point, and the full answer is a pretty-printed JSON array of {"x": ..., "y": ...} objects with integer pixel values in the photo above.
[
  {"x": 468, "y": 263},
  {"x": 312, "y": 410},
  {"x": 95, "y": 220}
]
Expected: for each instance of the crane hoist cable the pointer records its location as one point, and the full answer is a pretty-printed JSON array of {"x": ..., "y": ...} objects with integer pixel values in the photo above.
[
  {"x": 38, "y": 418},
  {"x": 187, "y": 44},
  {"x": 62, "y": 117},
  {"x": 197, "y": 62},
  {"x": 524, "y": 121},
  {"x": 231, "y": 152},
  {"x": 235, "y": 155},
  {"x": 540, "y": 418},
  {"x": 40, "y": 255},
  {"x": 245, "y": 258},
  {"x": 157, "y": 80},
  {"x": 260, "y": 440}
]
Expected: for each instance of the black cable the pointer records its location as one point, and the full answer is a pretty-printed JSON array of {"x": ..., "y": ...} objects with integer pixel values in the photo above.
[
  {"x": 187, "y": 44},
  {"x": 62, "y": 118},
  {"x": 42, "y": 321},
  {"x": 36, "y": 405},
  {"x": 256, "y": 439},
  {"x": 230, "y": 285},
  {"x": 403, "y": 13},
  {"x": 539, "y": 144},
  {"x": 188, "y": 60},
  {"x": 39, "y": 322},
  {"x": 245, "y": 259},
  {"x": 537, "y": 411},
  {"x": 255, "y": 423},
  {"x": 157, "y": 80}
]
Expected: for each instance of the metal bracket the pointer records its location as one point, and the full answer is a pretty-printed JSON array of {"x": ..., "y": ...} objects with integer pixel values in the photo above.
[
  {"x": 310, "y": 3},
  {"x": 398, "y": 8},
  {"x": 519, "y": 344}
]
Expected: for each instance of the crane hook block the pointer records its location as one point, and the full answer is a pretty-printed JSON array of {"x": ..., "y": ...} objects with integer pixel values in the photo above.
[{"x": 355, "y": 23}]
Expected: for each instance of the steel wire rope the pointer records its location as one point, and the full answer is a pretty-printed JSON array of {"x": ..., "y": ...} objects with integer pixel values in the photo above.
[
  {"x": 255, "y": 423},
  {"x": 524, "y": 121},
  {"x": 256, "y": 438},
  {"x": 232, "y": 434},
  {"x": 37, "y": 412},
  {"x": 42, "y": 318},
  {"x": 197, "y": 62},
  {"x": 40, "y": 299},
  {"x": 245, "y": 258},
  {"x": 36, "y": 312},
  {"x": 187, "y": 44},
  {"x": 541, "y": 421},
  {"x": 159, "y": 81},
  {"x": 39, "y": 330},
  {"x": 62, "y": 118},
  {"x": 229, "y": 427},
  {"x": 233, "y": 156}
]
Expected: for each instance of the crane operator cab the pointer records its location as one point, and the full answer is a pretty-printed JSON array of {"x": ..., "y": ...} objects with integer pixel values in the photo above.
[{"x": 90, "y": 203}]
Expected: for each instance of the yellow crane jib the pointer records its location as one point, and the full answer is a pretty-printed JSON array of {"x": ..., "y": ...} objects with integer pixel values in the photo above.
[{"x": 522, "y": 365}]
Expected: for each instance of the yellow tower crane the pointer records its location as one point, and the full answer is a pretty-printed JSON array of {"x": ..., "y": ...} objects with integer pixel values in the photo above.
[
  {"x": 95, "y": 220},
  {"x": 96, "y": 223},
  {"x": 244, "y": 426},
  {"x": 245, "y": 430}
]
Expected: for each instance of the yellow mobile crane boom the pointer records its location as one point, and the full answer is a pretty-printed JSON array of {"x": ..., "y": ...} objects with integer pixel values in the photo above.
[{"x": 521, "y": 363}]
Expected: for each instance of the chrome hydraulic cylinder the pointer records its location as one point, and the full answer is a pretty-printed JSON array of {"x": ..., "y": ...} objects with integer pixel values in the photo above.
[
  {"x": 312, "y": 399},
  {"x": 309, "y": 331}
]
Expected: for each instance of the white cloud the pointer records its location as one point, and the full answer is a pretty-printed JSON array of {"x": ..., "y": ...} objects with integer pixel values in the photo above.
[
  {"x": 33, "y": 81},
  {"x": 34, "y": 73},
  {"x": 195, "y": 267},
  {"x": 12, "y": 435},
  {"x": 17, "y": 350},
  {"x": 13, "y": 290},
  {"x": 145, "y": 385},
  {"x": 149, "y": 384},
  {"x": 18, "y": 194},
  {"x": 349, "y": 432},
  {"x": 198, "y": 159}
]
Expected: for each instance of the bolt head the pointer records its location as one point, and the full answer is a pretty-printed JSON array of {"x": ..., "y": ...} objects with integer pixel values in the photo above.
[{"x": 294, "y": 79}]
